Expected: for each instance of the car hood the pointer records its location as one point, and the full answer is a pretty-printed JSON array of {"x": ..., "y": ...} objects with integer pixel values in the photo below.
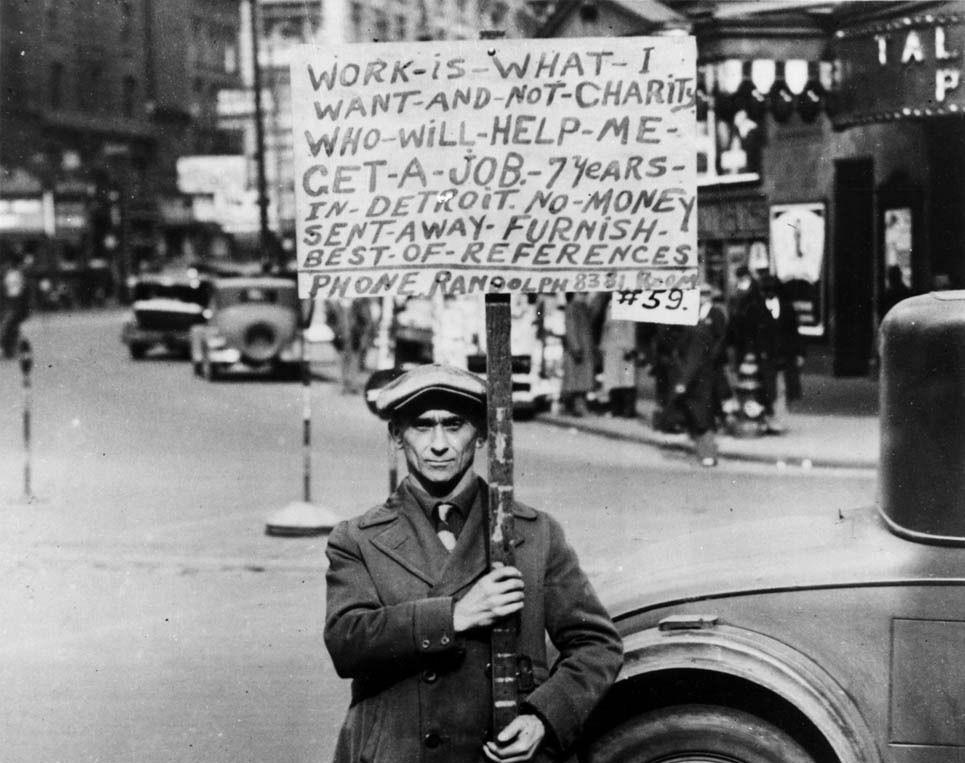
[{"x": 827, "y": 549}]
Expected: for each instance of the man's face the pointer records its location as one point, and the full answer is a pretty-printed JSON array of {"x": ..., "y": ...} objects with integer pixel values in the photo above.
[{"x": 439, "y": 445}]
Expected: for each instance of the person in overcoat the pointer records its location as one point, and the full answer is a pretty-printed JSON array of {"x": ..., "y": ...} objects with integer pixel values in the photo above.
[
  {"x": 620, "y": 364},
  {"x": 695, "y": 375},
  {"x": 411, "y": 599},
  {"x": 781, "y": 353},
  {"x": 579, "y": 354}
]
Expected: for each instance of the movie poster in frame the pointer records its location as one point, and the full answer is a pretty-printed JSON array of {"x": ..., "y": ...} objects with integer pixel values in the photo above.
[{"x": 798, "y": 233}]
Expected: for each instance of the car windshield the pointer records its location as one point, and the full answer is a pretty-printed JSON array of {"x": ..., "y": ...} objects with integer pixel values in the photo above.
[{"x": 181, "y": 292}]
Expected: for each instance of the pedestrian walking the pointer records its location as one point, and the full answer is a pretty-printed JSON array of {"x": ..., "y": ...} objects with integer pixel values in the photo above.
[
  {"x": 781, "y": 354},
  {"x": 15, "y": 306},
  {"x": 620, "y": 364},
  {"x": 665, "y": 339},
  {"x": 353, "y": 328},
  {"x": 579, "y": 355},
  {"x": 746, "y": 328},
  {"x": 695, "y": 378},
  {"x": 895, "y": 290},
  {"x": 411, "y": 602}
]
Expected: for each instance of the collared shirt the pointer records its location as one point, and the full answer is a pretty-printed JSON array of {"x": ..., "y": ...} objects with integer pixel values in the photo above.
[
  {"x": 462, "y": 501},
  {"x": 774, "y": 305}
]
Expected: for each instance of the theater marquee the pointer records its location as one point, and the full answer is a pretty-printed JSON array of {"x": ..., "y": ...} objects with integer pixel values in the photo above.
[{"x": 902, "y": 68}]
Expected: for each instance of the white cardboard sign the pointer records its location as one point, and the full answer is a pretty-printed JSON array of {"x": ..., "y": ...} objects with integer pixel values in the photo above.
[
  {"x": 678, "y": 306},
  {"x": 464, "y": 167}
]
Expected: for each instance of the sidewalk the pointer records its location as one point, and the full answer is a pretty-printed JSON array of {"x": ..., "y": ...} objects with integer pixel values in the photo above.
[{"x": 835, "y": 425}]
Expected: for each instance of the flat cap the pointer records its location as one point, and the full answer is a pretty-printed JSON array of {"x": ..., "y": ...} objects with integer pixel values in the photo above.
[{"x": 422, "y": 380}]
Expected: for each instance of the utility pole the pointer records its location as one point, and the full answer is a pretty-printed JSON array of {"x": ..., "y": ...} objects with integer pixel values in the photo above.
[{"x": 264, "y": 234}]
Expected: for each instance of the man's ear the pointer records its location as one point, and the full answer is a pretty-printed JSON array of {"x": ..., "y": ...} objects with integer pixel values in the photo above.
[{"x": 395, "y": 432}]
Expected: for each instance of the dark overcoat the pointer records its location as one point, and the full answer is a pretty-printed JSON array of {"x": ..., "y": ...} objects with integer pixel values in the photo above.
[
  {"x": 421, "y": 692},
  {"x": 696, "y": 365},
  {"x": 579, "y": 349}
]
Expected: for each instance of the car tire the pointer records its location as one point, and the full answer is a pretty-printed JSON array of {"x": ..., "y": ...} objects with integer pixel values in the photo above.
[
  {"x": 137, "y": 351},
  {"x": 697, "y": 734},
  {"x": 210, "y": 371}
]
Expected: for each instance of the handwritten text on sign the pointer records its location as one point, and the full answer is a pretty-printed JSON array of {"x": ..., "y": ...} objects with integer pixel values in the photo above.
[
  {"x": 509, "y": 165},
  {"x": 678, "y": 306}
]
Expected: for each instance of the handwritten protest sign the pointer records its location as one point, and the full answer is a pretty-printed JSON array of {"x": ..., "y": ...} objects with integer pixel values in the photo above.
[{"x": 465, "y": 167}]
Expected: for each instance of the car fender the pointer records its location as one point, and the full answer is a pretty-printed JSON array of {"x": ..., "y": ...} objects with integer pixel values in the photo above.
[{"x": 773, "y": 665}]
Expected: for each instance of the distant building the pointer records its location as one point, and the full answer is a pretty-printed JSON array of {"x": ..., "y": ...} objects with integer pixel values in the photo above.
[
  {"x": 286, "y": 23},
  {"x": 97, "y": 102}
]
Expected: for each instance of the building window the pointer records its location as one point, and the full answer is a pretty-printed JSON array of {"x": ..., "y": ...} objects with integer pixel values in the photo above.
[
  {"x": 231, "y": 57},
  {"x": 381, "y": 26},
  {"x": 52, "y": 15},
  {"x": 57, "y": 85},
  {"x": 92, "y": 96},
  {"x": 356, "y": 17},
  {"x": 400, "y": 27},
  {"x": 127, "y": 20},
  {"x": 130, "y": 95}
]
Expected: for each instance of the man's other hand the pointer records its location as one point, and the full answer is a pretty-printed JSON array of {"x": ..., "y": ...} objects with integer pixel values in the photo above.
[
  {"x": 517, "y": 742},
  {"x": 495, "y": 595}
]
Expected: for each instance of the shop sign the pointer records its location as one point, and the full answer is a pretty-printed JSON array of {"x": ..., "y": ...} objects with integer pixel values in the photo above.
[
  {"x": 212, "y": 174},
  {"x": 22, "y": 215},
  {"x": 496, "y": 166},
  {"x": 241, "y": 103},
  {"x": 910, "y": 67}
]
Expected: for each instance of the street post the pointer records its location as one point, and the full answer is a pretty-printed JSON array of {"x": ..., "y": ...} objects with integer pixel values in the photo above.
[{"x": 25, "y": 353}]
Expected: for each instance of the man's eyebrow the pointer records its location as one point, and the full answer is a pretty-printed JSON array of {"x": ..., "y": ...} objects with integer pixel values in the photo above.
[{"x": 424, "y": 421}]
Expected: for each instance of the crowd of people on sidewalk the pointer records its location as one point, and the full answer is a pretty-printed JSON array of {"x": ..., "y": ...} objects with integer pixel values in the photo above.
[{"x": 737, "y": 368}]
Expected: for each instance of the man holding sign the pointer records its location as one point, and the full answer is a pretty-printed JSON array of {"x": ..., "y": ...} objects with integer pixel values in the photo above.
[{"x": 411, "y": 601}]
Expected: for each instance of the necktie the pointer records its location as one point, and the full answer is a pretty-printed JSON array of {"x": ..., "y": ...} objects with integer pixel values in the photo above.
[{"x": 443, "y": 530}]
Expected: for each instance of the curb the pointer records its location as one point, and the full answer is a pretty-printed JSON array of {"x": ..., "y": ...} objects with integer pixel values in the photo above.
[{"x": 647, "y": 437}]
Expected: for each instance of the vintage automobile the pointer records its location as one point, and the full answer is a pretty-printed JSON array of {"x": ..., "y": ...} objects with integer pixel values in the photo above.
[
  {"x": 839, "y": 639},
  {"x": 165, "y": 307},
  {"x": 254, "y": 326}
]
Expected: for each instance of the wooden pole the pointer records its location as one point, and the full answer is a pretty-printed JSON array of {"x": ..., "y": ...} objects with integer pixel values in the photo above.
[{"x": 499, "y": 382}]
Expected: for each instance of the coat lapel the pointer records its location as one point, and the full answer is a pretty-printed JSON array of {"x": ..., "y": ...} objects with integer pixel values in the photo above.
[{"x": 407, "y": 540}]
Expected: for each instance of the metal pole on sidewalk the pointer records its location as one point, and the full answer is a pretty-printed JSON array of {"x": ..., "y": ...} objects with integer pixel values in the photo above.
[
  {"x": 306, "y": 421},
  {"x": 25, "y": 352}
]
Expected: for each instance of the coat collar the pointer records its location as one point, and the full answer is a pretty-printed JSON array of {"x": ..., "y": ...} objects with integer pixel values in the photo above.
[{"x": 409, "y": 539}]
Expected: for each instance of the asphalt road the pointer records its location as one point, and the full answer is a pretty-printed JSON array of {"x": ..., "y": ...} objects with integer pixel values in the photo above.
[{"x": 147, "y": 617}]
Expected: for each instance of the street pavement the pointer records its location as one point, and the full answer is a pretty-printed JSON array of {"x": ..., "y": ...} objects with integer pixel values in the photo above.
[
  {"x": 146, "y": 614},
  {"x": 835, "y": 425}
]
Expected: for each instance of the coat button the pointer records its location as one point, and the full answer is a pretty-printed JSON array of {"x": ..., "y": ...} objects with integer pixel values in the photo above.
[
  {"x": 432, "y": 740},
  {"x": 429, "y": 676}
]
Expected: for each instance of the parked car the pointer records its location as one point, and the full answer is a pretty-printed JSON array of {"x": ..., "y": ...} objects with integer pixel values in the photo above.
[
  {"x": 165, "y": 307},
  {"x": 837, "y": 638},
  {"x": 253, "y": 326}
]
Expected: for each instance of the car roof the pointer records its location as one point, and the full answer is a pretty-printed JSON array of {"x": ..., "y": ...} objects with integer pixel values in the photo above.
[
  {"x": 253, "y": 282},
  {"x": 172, "y": 277}
]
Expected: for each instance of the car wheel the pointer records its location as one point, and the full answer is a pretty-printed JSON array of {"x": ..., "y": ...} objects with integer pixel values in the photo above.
[
  {"x": 137, "y": 351},
  {"x": 209, "y": 370},
  {"x": 697, "y": 734}
]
